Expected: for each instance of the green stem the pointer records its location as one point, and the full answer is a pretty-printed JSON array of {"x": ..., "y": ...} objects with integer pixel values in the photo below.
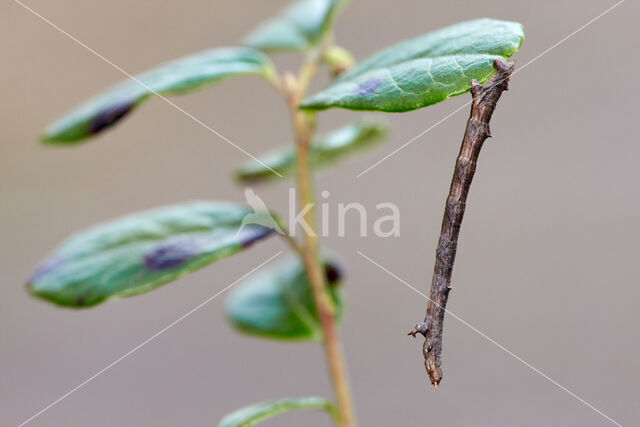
[{"x": 304, "y": 127}]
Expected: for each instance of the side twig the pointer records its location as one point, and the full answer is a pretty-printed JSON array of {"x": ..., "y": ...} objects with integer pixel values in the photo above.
[{"x": 485, "y": 98}]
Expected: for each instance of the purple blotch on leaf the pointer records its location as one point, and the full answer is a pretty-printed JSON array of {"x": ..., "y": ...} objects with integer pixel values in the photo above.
[
  {"x": 368, "y": 86},
  {"x": 171, "y": 254},
  {"x": 110, "y": 115},
  {"x": 248, "y": 235},
  {"x": 47, "y": 266}
]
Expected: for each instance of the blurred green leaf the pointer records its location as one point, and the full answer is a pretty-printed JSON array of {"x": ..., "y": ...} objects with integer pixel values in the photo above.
[
  {"x": 177, "y": 77},
  {"x": 252, "y": 415},
  {"x": 325, "y": 150},
  {"x": 339, "y": 60},
  {"x": 141, "y": 252},
  {"x": 425, "y": 70},
  {"x": 298, "y": 27},
  {"x": 278, "y": 302}
]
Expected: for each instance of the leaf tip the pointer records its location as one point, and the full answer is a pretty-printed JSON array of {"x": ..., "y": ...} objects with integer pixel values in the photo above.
[
  {"x": 47, "y": 266},
  {"x": 60, "y": 133}
]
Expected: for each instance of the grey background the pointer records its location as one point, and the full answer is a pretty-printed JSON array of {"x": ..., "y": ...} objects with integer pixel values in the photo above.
[{"x": 547, "y": 263}]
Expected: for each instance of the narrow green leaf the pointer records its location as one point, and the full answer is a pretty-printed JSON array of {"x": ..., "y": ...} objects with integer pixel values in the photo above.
[
  {"x": 325, "y": 150},
  {"x": 177, "y": 77},
  {"x": 252, "y": 415},
  {"x": 425, "y": 70},
  {"x": 278, "y": 302},
  {"x": 298, "y": 27},
  {"x": 141, "y": 252}
]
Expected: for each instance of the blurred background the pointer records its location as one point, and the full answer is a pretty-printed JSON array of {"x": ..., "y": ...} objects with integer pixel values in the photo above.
[{"x": 547, "y": 263}]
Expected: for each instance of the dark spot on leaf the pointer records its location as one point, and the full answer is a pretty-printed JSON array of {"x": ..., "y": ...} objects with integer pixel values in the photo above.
[
  {"x": 47, "y": 266},
  {"x": 333, "y": 273},
  {"x": 109, "y": 116},
  {"x": 369, "y": 86},
  {"x": 171, "y": 254},
  {"x": 80, "y": 301},
  {"x": 251, "y": 234}
]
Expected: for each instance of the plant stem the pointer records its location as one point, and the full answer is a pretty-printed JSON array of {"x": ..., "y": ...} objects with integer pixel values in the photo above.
[
  {"x": 304, "y": 127},
  {"x": 485, "y": 98}
]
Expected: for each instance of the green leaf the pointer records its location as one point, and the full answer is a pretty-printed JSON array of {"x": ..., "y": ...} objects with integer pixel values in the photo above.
[
  {"x": 338, "y": 59},
  {"x": 278, "y": 302},
  {"x": 298, "y": 27},
  {"x": 325, "y": 150},
  {"x": 177, "y": 77},
  {"x": 252, "y": 415},
  {"x": 425, "y": 70},
  {"x": 141, "y": 252}
]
